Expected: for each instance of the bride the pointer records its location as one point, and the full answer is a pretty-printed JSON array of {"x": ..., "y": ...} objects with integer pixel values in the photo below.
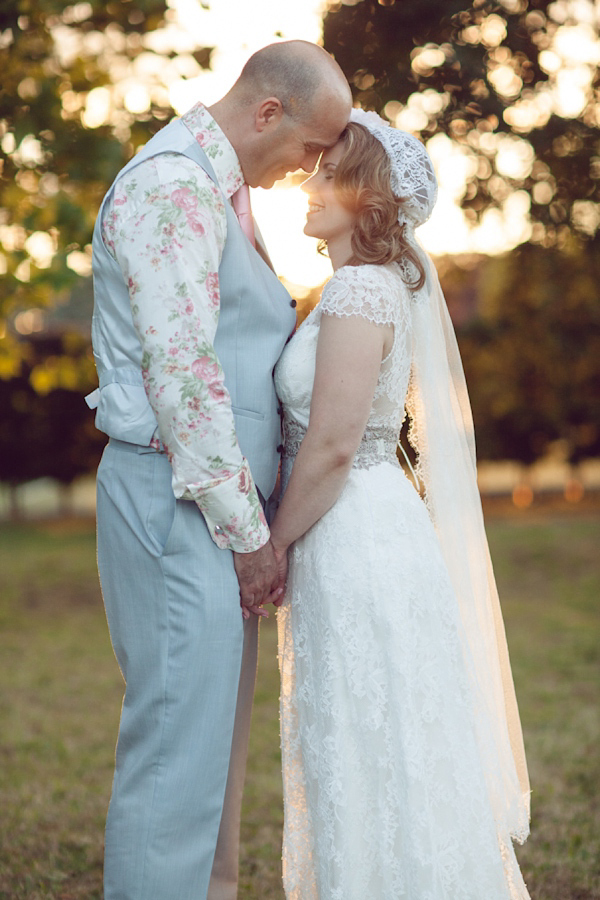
[{"x": 404, "y": 770}]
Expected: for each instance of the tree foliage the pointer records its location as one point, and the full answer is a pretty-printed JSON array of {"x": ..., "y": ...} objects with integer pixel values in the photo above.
[
  {"x": 47, "y": 429},
  {"x": 45, "y": 436},
  {"x": 57, "y": 163},
  {"x": 516, "y": 75},
  {"x": 58, "y": 64},
  {"x": 483, "y": 73},
  {"x": 520, "y": 77},
  {"x": 531, "y": 352}
]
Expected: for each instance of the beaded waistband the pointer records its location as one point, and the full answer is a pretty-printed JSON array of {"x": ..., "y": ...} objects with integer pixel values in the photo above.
[{"x": 377, "y": 445}]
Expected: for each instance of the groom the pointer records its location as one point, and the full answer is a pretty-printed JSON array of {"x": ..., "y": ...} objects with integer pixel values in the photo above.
[{"x": 189, "y": 321}]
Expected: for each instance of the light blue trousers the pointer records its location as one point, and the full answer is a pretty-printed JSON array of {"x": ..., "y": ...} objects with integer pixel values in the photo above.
[{"x": 172, "y": 604}]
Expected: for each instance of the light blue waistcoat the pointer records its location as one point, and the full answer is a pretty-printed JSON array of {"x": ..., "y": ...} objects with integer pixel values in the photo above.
[{"x": 255, "y": 320}]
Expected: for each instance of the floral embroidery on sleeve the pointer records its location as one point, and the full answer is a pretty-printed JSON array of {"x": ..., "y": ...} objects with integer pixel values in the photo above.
[{"x": 166, "y": 226}]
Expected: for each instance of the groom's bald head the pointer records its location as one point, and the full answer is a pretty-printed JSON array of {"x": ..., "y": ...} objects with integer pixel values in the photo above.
[
  {"x": 289, "y": 104},
  {"x": 297, "y": 73}
]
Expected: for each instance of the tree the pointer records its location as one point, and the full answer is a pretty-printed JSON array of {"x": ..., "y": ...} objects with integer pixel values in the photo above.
[
  {"x": 19, "y": 436},
  {"x": 531, "y": 352},
  {"x": 72, "y": 445},
  {"x": 81, "y": 88},
  {"x": 44, "y": 436},
  {"x": 48, "y": 431},
  {"x": 514, "y": 84}
]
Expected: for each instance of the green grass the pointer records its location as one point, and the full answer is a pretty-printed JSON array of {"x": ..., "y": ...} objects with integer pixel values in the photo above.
[
  {"x": 549, "y": 577},
  {"x": 60, "y": 693}
]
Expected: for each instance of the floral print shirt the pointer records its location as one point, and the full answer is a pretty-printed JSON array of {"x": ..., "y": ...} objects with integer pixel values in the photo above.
[{"x": 166, "y": 226}]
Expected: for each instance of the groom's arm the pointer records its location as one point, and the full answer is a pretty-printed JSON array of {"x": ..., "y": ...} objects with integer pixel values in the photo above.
[{"x": 166, "y": 227}]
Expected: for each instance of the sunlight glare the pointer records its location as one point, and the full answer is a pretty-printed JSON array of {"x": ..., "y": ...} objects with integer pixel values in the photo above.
[
  {"x": 577, "y": 44},
  {"x": 41, "y": 248},
  {"x": 97, "y": 107},
  {"x": 236, "y": 28},
  {"x": 505, "y": 81},
  {"x": 517, "y": 226},
  {"x": 571, "y": 91},
  {"x": 447, "y": 231},
  {"x": 549, "y": 61},
  {"x": 514, "y": 157},
  {"x": 281, "y": 215},
  {"x": 137, "y": 99},
  {"x": 81, "y": 261},
  {"x": 493, "y": 30},
  {"x": 454, "y": 164}
]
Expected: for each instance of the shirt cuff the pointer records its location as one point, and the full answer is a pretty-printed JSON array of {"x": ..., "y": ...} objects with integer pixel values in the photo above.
[{"x": 233, "y": 513}]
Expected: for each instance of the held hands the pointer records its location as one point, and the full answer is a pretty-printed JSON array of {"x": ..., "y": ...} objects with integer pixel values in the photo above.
[
  {"x": 261, "y": 576},
  {"x": 281, "y": 558}
]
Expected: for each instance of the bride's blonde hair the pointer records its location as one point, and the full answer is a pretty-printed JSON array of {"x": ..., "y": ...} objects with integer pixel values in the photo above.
[{"x": 362, "y": 182}]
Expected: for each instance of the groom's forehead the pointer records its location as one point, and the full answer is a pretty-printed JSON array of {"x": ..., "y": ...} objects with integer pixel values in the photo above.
[
  {"x": 326, "y": 129},
  {"x": 319, "y": 145},
  {"x": 321, "y": 137}
]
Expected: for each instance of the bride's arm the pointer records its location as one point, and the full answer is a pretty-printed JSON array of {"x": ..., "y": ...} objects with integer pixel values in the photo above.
[{"x": 349, "y": 354}]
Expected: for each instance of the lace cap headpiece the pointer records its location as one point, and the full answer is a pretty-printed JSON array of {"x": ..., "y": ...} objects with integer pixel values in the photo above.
[{"x": 413, "y": 179}]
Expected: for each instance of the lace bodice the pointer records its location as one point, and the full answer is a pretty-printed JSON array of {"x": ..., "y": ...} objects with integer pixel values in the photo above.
[{"x": 376, "y": 293}]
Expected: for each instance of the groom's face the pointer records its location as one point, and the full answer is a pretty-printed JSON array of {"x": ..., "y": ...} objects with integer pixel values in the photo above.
[{"x": 298, "y": 145}]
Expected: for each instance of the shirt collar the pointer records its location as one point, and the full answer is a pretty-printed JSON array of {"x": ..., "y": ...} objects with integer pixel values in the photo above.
[{"x": 217, "y": 147}]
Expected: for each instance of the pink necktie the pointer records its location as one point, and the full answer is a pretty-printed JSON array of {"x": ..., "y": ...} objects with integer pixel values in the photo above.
[{"x": 241, "y": 206}]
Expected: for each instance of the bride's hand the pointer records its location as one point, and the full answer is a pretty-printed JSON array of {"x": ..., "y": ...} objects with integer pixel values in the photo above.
[{"x": 278, "y": 594}]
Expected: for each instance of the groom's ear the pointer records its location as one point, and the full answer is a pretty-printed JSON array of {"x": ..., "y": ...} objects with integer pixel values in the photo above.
[{"x": 269, "y": 113}]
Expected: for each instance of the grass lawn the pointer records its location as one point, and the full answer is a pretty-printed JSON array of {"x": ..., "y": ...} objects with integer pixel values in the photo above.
[{"x": 60, "y": 693}]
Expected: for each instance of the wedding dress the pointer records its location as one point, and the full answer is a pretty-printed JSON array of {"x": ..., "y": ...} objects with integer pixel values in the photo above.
[{"x": 384, "y": 788}]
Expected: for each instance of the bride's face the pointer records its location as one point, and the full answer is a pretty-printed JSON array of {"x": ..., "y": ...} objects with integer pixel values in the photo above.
[{"x": 327, "y": 218}]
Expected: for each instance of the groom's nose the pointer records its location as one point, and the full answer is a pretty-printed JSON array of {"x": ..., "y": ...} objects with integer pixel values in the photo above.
[{"x": 310, "y": 161}]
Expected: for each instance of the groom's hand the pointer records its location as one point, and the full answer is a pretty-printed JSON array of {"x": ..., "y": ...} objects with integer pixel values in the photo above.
[{"x": 258, "y": 577}]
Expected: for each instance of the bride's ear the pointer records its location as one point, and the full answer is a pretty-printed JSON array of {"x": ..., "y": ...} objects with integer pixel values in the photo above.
[{"x": 268, "y": 113}]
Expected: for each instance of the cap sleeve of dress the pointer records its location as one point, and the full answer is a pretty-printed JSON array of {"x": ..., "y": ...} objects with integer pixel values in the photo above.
[{"x": 367, "y": 291}]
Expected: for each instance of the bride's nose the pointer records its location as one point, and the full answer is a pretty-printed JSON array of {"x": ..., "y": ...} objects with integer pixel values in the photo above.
[{"x": 308, "y": 186}]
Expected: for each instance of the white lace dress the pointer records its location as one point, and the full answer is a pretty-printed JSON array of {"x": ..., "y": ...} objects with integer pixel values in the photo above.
[{"x": 383, "y": 787}]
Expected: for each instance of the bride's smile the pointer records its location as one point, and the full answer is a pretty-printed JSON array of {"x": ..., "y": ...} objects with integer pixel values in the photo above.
[{"x": 327, "y": 217}]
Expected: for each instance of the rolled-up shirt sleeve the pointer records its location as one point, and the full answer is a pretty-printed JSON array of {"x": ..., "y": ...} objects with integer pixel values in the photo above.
[{"x": 166, "y": 226}]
